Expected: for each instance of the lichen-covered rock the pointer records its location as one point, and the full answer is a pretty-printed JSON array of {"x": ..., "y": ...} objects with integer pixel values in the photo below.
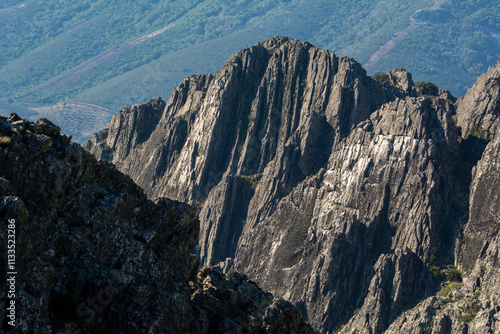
[
  {"x": 237, "y": 305},
  {"x": 349, "y": 199},
  {"x": 94, "y": 255}
]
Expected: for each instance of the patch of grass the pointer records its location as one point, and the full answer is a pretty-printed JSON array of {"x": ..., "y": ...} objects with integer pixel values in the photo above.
[
  {"x": 445, "y": 290},
  {"x": 431, "y": 325},
  {"x": 435, "y": 270},
  {"x": 426, "y": 88},
  {"x": 466, "y": 318},
  {"x": 471, "y": 312},
  {"x": 478, "y": 133},
  {"x": 105, "y": 147},
  {"x": 476, "y": 307},
  {"x": 252, "y": 179},
  {"x": 338, "y": 330}
]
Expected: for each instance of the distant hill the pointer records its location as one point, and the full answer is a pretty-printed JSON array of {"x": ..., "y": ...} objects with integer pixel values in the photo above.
[{"x": 116, "y": 53}]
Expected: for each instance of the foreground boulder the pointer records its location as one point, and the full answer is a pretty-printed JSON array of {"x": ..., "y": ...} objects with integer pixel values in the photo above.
[{"x": 94, "y": 255}]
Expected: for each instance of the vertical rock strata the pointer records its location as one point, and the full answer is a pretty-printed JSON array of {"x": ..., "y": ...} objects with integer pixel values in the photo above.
[
  {"x": 353, "y": 200},
  {"x": 473, "y": 305}
]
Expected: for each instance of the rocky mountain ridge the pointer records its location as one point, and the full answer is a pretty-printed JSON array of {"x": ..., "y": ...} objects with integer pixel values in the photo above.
[
  {"x": 369, "y": 206},
  {"x": 94, "y": 255}
]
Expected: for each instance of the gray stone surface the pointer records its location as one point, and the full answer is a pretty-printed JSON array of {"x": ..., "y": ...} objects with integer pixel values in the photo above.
[{"x": 350, "y": 199}]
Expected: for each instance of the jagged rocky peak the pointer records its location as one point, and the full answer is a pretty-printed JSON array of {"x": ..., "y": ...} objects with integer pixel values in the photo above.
[
  {"x": 470, "y": 301},
  {"x": 402, "y": 79},
  {"x": 130, "y": 128},
  {"x": 262, "y": 97},
  {"x": 479, "y": 110},
  {"x": 94, "y": 255},
  {"x": 349, "y": 197}
]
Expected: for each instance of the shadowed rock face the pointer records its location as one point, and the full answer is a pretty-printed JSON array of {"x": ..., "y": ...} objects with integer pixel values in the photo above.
[
  {"x": 348, "y": 198},
  {"x": 94, "y": 255}
]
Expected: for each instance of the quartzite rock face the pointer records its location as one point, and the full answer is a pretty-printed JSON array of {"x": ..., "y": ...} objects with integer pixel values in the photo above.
[
  {"x": 348, "y": 198},
  {"x": 94, "y": 255},
  {"x": 272, "y": 114},
  {"x": 479, "y": 110},
  {"x": 473, "y": 305}
]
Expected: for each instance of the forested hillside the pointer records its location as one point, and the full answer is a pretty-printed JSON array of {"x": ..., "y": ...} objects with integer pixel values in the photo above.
[{"x": 116, "y": 53}]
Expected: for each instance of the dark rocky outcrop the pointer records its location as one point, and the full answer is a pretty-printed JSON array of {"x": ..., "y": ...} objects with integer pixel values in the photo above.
[
  {"x": 94, "y": 255},
  {"x": 353, "y": 200}
]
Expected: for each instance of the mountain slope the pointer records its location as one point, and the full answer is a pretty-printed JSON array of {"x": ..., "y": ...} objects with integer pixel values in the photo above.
[
  {"x": 352, "y": 199},
  {"x": 473, "y": 305},
  {"x": 343, "y": 195}
]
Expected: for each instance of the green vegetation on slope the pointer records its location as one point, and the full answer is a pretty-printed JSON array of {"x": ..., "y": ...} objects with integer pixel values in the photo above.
[
  {"x": 452, "y": 45},
  {"x": 92, "y": 51}
]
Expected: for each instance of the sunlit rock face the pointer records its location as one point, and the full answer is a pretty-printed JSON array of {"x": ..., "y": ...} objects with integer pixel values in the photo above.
[{"x": 350, "y": 198}]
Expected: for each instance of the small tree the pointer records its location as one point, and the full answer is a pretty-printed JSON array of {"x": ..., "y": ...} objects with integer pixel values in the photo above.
[
  {"x": 426, "y": 88},
  {"x": 453, "y": 275},
  {"x": 435, "y": 271},
  {"x": 381, "y": 78}
]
